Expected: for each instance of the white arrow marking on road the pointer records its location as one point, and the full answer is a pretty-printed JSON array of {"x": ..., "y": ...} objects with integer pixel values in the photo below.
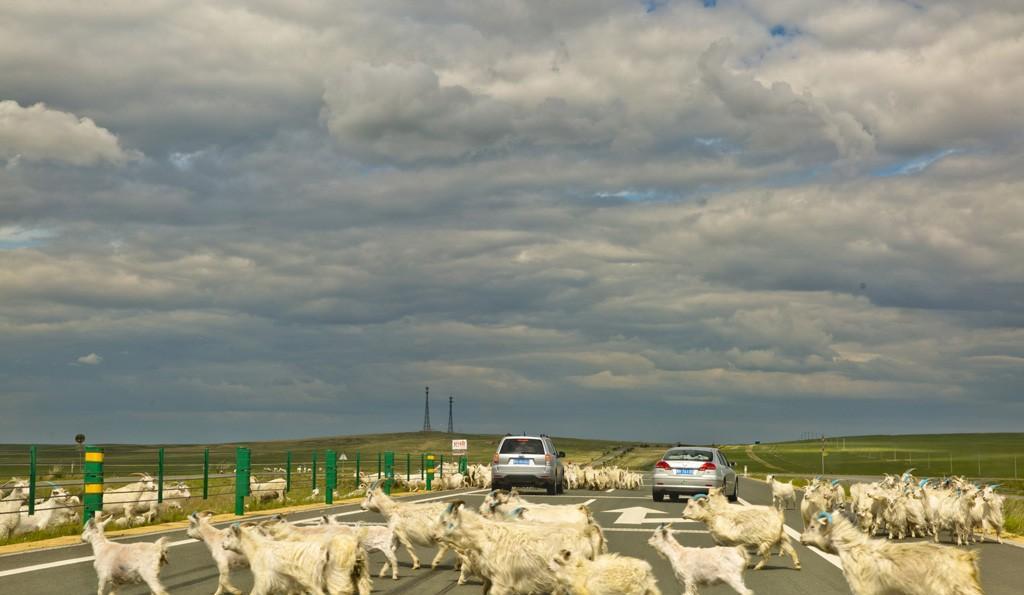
[{"x": 637, "y": 515}]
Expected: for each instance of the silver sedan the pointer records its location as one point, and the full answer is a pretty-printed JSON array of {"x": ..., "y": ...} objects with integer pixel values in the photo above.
[{"x": 690, "y": 470}]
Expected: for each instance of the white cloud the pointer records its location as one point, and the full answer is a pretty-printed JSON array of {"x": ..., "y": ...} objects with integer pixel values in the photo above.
[
  {"x": 38, "y": 132},
  {"x": 90, "y": 360}
]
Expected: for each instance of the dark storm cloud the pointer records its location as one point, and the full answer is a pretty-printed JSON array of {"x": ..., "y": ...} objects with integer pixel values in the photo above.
[{"x": 262, "y": 219}]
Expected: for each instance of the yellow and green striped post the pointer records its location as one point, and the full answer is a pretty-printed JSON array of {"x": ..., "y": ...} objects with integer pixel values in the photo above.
[
  {"x": 330, "y": 475},
  {"x": 92, "y": 492},
  {"x": 430, "y": 472}
]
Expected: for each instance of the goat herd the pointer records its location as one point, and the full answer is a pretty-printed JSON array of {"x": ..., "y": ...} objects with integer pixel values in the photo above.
[{"x": 514, "y": 546}]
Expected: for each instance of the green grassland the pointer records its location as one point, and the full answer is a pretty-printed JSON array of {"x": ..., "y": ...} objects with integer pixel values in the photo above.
[{"x": 972, "y": 455}]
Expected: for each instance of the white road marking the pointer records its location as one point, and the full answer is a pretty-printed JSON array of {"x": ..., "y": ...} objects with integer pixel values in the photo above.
[
  {"x": 589, "y": 502},
  {"x": 71, "y": 561},
  {"x": 610, "y": 491},
  {"x": 632, "y": 530},
  {"x": 637, "y": 515},
  {"x": 793, "y": 533}
]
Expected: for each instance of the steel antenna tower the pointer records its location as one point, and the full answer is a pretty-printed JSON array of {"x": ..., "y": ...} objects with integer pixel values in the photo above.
[
  {"x": 451, "y": 427},
  {"x": 426, "y": 411}
]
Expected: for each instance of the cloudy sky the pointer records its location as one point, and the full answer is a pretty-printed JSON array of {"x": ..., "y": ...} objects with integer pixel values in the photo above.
[{"x": 670, "y": 219}]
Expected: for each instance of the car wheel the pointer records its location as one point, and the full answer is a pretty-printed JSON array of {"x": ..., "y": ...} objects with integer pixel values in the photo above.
[
  {"x": 561, "y": 487},
  {"x": 552, "y": 488},
  {"x": 659, "y": 497},
  {"x": 673, "y": 497},
  {"x": 735, "y": 491}
]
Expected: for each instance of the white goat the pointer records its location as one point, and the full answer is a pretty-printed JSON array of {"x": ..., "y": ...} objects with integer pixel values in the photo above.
[
  {"x": 512, "y": 558},
  {"x": 279, "y": 566},
  {"x": 697, "y": 566},
  {"x": 199, "y": 527},
  {"x": 499, "y": 503},
  {"x": 10, "y": 505},
  {"x": 732, "y": 524},
  {"x": 58, "y": 509},
  {"x": 130, "y": 500},
  {"x": 380, "y": 538},
  {"x": 411, "y": 522},
  {"x": 783, "y": 494},
  {"x": 119, "y": 564},
  {"x": 174, "y": 496},
  {"x": 608, "y": 574},
  {"x": 268, "y": 490},
  {"x": 873, "y": 566}
]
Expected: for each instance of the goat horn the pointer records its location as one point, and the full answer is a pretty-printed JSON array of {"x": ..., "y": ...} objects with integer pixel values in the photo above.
[
  {"x": 824, "y": 515},
  {"x": 699, "y": 497}
]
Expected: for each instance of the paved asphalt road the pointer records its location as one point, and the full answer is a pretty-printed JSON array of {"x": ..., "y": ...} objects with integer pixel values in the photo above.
[{"x": 191, "y": 571}]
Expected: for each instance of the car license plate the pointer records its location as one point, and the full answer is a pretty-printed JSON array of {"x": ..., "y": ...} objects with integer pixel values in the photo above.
[
  {"x": 520, "y": 461},
  {"x": 684, "y": 471}
]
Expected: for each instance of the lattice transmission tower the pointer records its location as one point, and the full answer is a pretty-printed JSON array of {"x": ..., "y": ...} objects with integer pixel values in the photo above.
[
  {"x": 451, "y": 426},
  {"x": 426, "y": 411}
]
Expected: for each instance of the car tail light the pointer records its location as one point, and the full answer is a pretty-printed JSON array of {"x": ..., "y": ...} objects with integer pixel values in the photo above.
[
  {"x": 662, "y": 465},
  {"x": 495, "y": 459},
  {"x": 548, "y": 458},
  {"x": 707, "y": 467}
]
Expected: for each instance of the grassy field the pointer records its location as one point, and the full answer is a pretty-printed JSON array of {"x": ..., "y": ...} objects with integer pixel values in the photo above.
[
  {"x": 972, "y": 455},
  {"x": 992, "y": 458}
]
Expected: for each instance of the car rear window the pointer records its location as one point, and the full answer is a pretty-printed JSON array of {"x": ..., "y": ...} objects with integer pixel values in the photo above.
[
  {"x": 522, "y": 446},
  {"x": 688, "y": 455}
]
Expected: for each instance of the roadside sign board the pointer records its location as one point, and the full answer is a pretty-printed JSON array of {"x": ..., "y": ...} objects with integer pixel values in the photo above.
[{"x": 460, "y": 447}]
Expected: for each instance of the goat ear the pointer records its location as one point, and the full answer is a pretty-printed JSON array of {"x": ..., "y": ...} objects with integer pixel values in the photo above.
[{"x": 565, "y": 555}]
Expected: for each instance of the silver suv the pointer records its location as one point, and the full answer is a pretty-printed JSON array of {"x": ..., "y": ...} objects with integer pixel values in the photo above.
[
  {"x": 528, "y": 461},
  {"x": 692, "y": 470}
]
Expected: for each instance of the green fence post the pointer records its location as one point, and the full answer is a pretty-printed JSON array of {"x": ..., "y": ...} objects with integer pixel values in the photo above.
[
  {"x": 389, "y": 471},
  {"x": 31, "y": 480},
  {"x": 160, "y": 476},
  {"x": 92, "y": 474},
  {"x": 463, "y": 464},
  {"x": 430, "y": 471},
  {"x": 206, "y": 473},
  {"x": 422, "y": 466},
  {"x": 288, "y": 473},
  {"x": 314, "y": 469},
  {"x": 378, "y": 465},
  {"x": 408, "y": 467},
  {"x": 357, "y": 469},
  {"x": 330, "y": 475},
  {"x": 243, "y": 462},
  {"x": 440, "y": 471}
]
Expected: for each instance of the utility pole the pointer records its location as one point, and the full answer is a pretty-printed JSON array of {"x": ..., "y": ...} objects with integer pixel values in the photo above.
[
  {"x": 426, "y": 411},
  {"x": 823, "y": 454},
  {"x": 451, "y": 426}
]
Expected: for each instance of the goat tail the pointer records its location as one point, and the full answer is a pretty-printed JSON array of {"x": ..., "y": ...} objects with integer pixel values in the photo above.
[
  {"x": 361, "y": 573},
  {"x": 162, "y": 544},
  {"x": 598, "y": 542}
]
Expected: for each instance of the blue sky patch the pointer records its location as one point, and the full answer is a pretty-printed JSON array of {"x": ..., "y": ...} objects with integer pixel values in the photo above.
[
  {"x": 916, "y": 165},
  {"x": 15, "y": 236}
]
